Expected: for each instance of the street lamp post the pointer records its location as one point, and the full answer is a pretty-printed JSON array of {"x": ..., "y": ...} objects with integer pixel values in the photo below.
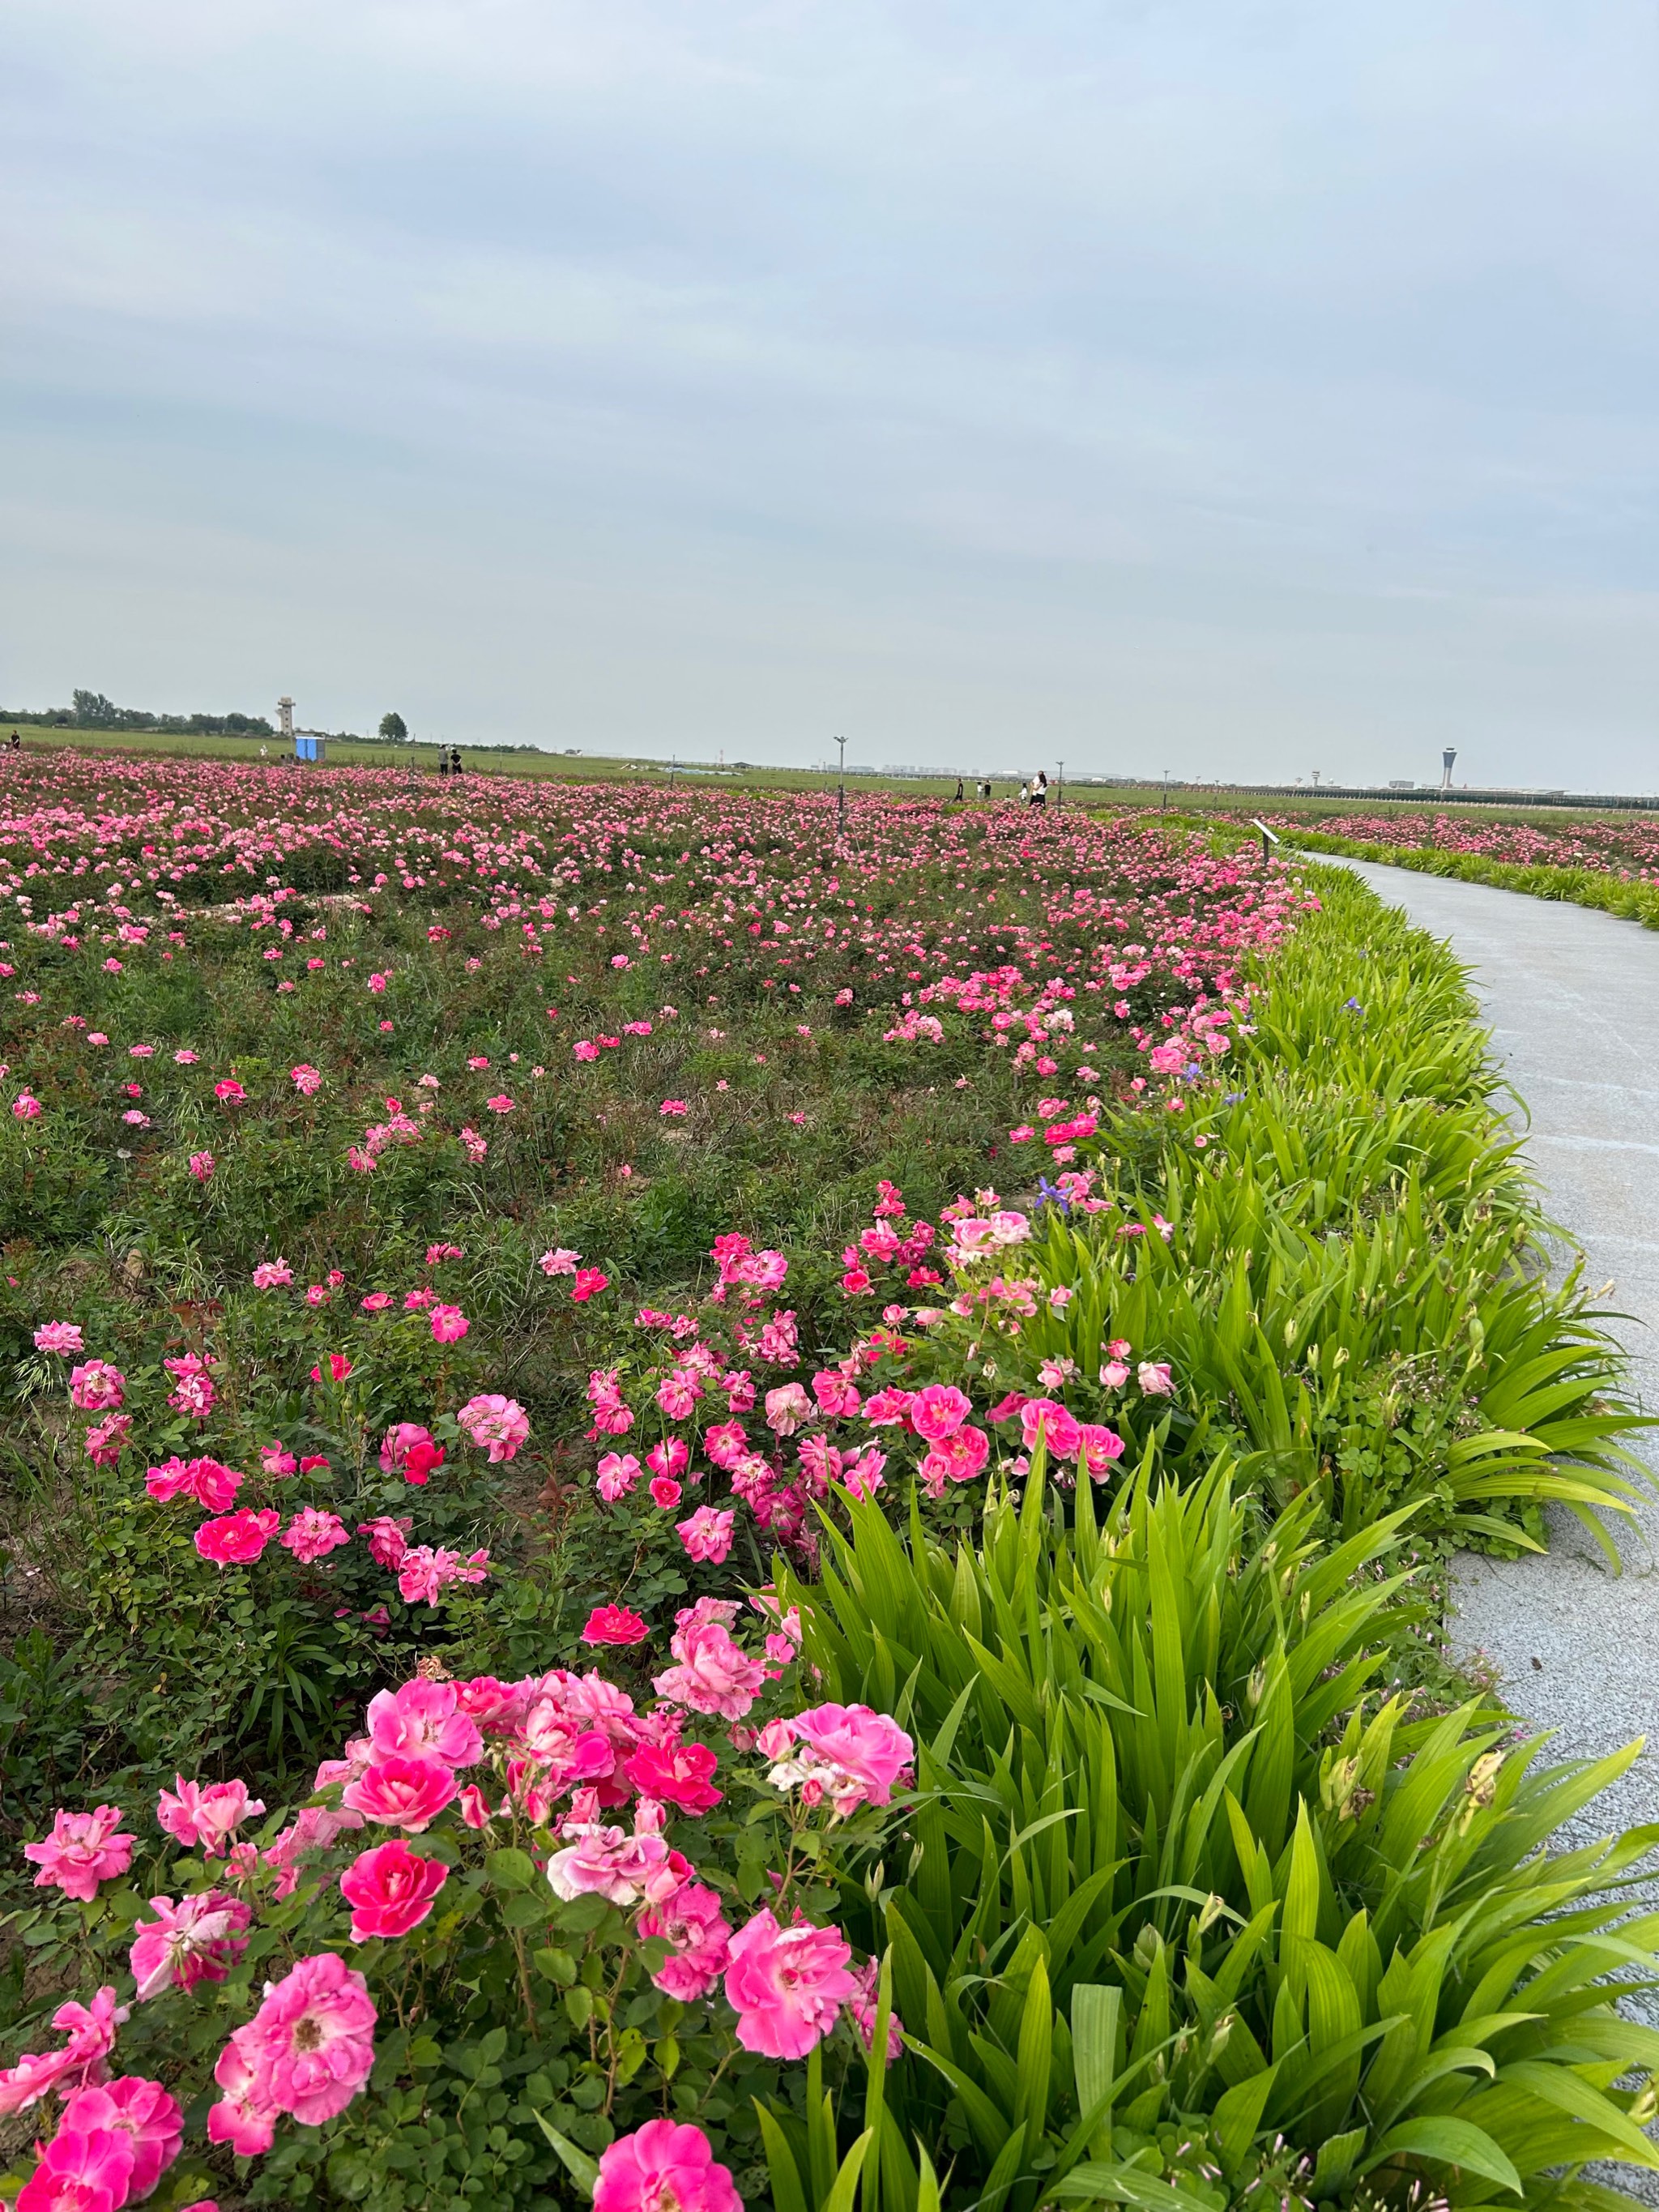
[
  {"x": 1163, "y": 806},
  {"x": 1059, "y": 796},
  {"x": 840, "y": 790}
]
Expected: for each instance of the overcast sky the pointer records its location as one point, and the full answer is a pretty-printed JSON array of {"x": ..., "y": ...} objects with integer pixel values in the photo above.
[{"x": 1237, "y": 387}]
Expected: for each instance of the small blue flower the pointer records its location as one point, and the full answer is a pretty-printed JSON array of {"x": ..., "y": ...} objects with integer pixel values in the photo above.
[{"x": 1353, "y": 1006}]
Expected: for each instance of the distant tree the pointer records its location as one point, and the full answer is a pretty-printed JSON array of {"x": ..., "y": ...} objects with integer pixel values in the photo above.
[
  {"x": 393, "y": 728},
  {"x": 93, "y": 710}
]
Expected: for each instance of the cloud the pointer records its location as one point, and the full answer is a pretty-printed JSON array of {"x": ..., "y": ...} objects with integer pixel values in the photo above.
[{"x": 1264, "y": 385}]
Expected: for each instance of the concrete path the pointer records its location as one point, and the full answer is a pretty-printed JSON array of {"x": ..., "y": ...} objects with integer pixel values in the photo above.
[
  {"x": 1573, "y": 1007},
  {"x": 1572, "y": 999}
]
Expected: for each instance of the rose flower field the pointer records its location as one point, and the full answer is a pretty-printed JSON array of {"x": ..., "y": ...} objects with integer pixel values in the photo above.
[{"x": 705, "y": 1508}]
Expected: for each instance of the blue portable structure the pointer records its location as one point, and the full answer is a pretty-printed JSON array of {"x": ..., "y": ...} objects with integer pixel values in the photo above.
[{"x": 307, "y": 748}]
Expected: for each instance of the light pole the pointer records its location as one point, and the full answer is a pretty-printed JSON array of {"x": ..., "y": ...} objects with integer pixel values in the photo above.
[
  {"x": 840, "y": 790},
  {"x": 1163, "y": 806},
  {"x": 1059, "y": 796}
]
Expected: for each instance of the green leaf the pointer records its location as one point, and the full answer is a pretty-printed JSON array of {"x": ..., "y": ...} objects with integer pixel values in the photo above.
[
  {"x": 510, "y": 1869},
  {"x": 1451, "y": 2141},
  {"x": 583, "y": 2170}
]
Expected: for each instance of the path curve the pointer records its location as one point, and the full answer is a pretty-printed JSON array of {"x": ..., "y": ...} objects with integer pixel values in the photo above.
[{"x": 1572, "y": 999}]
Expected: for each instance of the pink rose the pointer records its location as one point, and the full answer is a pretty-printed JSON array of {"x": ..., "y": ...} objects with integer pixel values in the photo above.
[
  {"x": 707, "y": 1535},
  {"x": 449, "y": 1324},
  {"x": 714, "y": 1675},
  {"x": 786, "y": 1985},
  {"x": 311, "y": 2045},
  {"x": 958, "y": 1459},
  {"x": 786, "y": 1407},
  {"x": 390, "y": 1890},
  {"x": 209, "y": 1817},
  {"x": 666, "y": 2165},
  {"x": 616, "y": 1475},
  {"x": 423, "y": 1720},
  {"x": 83, "y": 1850},
  {"x": 1154, "y": 1378},
  {"x": 239, "y": 1538},
  {"x": 81, "y": 2170},
  {"x": 614, "y": 1623},
  {"x": 847, "y": 1753},
  {"x": 96, "y": 1386},
  {"x": 1097, "y": 1447},
  {"x": 664, "y": 1492},
  {"x": 140, "y": 2112},
  {"x": 499, "y": 1423},
  {"x": 199, "y": 1940},
  {"x": 698, "y": 1934},
  {"x": 1046, "y": 1420},
  {"x": 939, "y": 1412},
  {"x": 312, "y": 1534},
  {"x": 401, "y": 1793},
  {"x": 388, "y": 1538},
  {"x": 60, "y": 1336}
]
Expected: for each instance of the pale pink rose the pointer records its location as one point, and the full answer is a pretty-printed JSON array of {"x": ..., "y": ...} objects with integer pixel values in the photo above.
[
  {"x": 698, "y": 1933},
  {"x": 311, "y": 2042},
  {"x": 390, "y": 1890},
  {"x": 83, "y": 1850},
  {"x": 209, "y": 1817},
  {"x": 1154, "y": 1378},
  {"x": 401, "y": 1793},
  {"x": 272, "y": 1275},
  {"x": 498, "y": 1422},
  {"x": 140, "y": 2110},
  {"x": 714, "y": 1675},
  {"x": 96, "y": 1386},
  {"x": 786, "y": 1407},
  {"x": 786, "y": 1985},
  {"x": 848, "y": 1754},
  {"x": 861, "y": 2011},
  {"x": 939, "y": 1412},
  {"x": 90, "y": 2033},
  {"x": 707, "y": 1535},
  {"x": 424, "y": 1720},
  {"x": 306, "y": 1079},
  {"x": 606, "y": 1862},
  {"x": 312, "y": 1534},
  {"x": 560, "y": 1263},
  {"x": 198, "y": 1939},
  {"x": 666, "y": 2165},
  {"x": 60, "y": 1336},
  {"x": 246, "y": 2116},
  {"x": 1114, "y": 1374}
]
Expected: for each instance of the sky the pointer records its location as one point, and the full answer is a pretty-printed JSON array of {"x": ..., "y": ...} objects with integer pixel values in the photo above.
[{"x": 1237, "y": 388}]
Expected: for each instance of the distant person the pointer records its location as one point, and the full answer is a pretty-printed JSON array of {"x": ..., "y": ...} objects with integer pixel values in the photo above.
[
  {"x": 455, "y": 760},
  {"x": 1025, "y": 794},
  {"x": 443, "y": 762},
  {"x": 1039, "y": 789},
  {"x": 958, "y": 787},
  {"x": 15, "y": 743}
]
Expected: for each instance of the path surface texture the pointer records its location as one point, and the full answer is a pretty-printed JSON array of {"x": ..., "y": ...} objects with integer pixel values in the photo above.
[{"x": 1572, "y": 999}]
